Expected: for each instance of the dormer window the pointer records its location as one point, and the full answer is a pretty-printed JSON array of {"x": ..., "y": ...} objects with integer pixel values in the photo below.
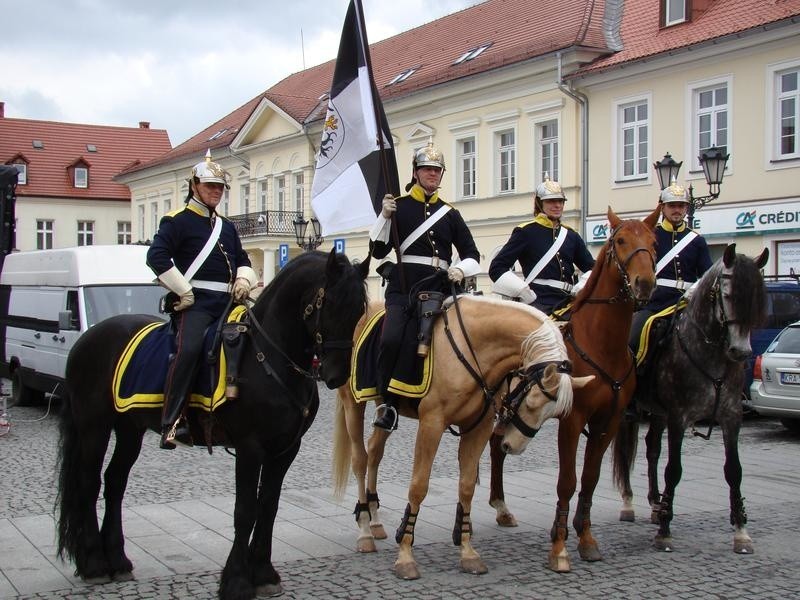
[
  {"x": 22, "y": 173},
  {"x": 472, "y": 54},
  {"x": 674, "y": 12},
  {"x": 81, "y": 177},
  {"x": 217, "y": 135},
  {"x": 403, "y": 76}
]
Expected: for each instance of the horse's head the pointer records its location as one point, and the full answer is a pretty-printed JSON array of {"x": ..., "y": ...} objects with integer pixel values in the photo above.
[
  {"x": 332, "y": 315},
  {"x": 734, "y": 291},
  {"x": 632, "y": 248},
  {"x": 540, "y": 390}
]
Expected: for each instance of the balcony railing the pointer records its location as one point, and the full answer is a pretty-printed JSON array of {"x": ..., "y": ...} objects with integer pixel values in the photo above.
[{"x": 269, "y": 222}]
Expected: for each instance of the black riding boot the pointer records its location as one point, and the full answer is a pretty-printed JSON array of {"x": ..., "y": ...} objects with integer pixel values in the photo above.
[
  {"x": 386, "y": 414},
  {"x": 174, "y": 427}
]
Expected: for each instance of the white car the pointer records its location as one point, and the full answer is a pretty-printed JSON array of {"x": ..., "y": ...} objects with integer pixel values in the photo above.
[{"x": 775, "y": 391}]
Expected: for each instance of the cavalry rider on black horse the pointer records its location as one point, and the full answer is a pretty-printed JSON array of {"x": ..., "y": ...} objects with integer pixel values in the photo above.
[
  {"x": 682, "y": 257},
  {"x": 428, "y": 228},
  {"x": 198, "y": 256},
  {"x": 548, "y": 252}
]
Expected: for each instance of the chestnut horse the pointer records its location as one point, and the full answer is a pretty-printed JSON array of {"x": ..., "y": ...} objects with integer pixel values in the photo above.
[
  {"x": 597, "y": 344},
  {"x": 479, "y": 343}
]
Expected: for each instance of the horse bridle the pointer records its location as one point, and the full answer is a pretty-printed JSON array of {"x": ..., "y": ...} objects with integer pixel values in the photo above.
[
  {"x": 321, "y": 345},
  {"x": 626, "y": 291},
  {"x": 528, "y": 377}
]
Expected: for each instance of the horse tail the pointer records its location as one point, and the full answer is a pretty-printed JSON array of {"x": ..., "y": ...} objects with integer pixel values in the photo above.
[
  {"x": 69, "y": 499},
  {"x": 340, "y": 469},
  {"x": 625, "y": 444}
]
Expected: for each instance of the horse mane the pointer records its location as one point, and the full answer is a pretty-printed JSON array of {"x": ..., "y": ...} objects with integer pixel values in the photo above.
[
  {"x": 747, "y": 290},
  {"x": 547, "y": 344},
  {"x": 602, "y": 262}
]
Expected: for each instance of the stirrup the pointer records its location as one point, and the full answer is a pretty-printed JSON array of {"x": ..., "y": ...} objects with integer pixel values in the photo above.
[
  {"x": 178, "y": 433},
  {"x": 388, "y": 417}
]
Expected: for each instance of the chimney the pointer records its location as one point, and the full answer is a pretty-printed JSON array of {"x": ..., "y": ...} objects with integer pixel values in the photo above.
[
  {"x": 2, "y": 110},
  {"x": 144, "y": 124}
]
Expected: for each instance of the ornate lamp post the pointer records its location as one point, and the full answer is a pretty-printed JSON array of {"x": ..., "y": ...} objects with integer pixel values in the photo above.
[
  {"x": 314, "y": 238},
  {"x": 713, "y": 161}
]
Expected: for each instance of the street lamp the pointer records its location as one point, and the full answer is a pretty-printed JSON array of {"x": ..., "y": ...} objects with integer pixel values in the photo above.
[
  {"x": 314, "y": 238},
  {"x": 713, "y": 161}
]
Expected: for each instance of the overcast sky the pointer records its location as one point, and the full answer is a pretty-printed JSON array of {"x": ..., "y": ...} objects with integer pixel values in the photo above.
[{"x": 179, "y": 65}]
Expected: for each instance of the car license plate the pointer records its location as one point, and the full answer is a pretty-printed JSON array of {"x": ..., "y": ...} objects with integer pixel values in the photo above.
[{"x": 790, "y": 378}]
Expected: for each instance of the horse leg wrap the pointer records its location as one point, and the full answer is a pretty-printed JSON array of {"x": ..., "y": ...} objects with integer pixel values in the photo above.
[
  {"x": 406, "y": 525},
  {"x": 232, "y": 341},
  {"x": 373, "y": 497},
  {"x": 560, "y": 523},
  {"x": 582, "y": 517},
  {"x": 361, "y": 507},
  {"x": 463, "y": 525},
  {"x": 429, "y": 306}
]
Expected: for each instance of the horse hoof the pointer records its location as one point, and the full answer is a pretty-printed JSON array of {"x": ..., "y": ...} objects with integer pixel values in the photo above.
[
  {"x": 663, "y": 543},
  {"x": 627, "y": 515},
  {"x": 558, "y": 563},
  {"x": 474, "y": 566},
  {"x": 378, "y": 532},
  {"x": 743, "y": 547},
  {"x": 366, "y": 544},
  {"x": 589, "y": 553},
  {"x": 269, "y": 590},
  {"x": 96, "y": 579},
  {"x": 124, "y": 576},
  {"x": 506, "y": 520},
  {"x": 407, "y": 571}
]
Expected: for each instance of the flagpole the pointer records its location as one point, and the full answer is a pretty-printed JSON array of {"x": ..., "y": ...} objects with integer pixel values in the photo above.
[{"x": 362, "y": 30}]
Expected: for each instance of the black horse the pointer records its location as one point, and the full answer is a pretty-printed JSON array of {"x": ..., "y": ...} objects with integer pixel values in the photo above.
[
  {"x": 310, "y": 308},
  {"x": 697, "y": 375}
]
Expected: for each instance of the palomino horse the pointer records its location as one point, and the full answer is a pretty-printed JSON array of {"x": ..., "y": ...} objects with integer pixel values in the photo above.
[
  {"x": 310, "y": 308},
  {"x": 698, "y": 374},
  {"x": 499, "y": 339},
  {"x": 597, "y": 344}
]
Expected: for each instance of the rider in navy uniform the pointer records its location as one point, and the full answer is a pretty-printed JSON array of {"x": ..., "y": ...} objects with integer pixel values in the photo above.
[
  {"x": 553, "y": 284},
  {"x": 428, "y": 250},
  {"x": 197, "y": 303}
]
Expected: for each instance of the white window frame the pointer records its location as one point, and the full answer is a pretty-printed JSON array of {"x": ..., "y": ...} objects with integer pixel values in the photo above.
[
  {"x": 124, "y": 233},
  {"x": 85, "y": 233},
  {"x": 499, "y": 151},
  {"x": 22, "y": 173},
  {"x": 299, "y": 190},
  {"x": 280, "y": 192},
  {"x": 773, "y": 126},
  {"x": 154, "y": 218},
  {"x": 244, "y": 197},
  {"x": 693, "y": 135},
  {"x": 674, "y": 12},
  {"x": 462, "y": 158},
  {"x": 641, "y": 172},
  {"x": 45, "y": 234},
  {"x": 263, "y": 190},
  {"x": 225, "y": 203},
  {"x": 140, "y": 220},
  {"x": 81, "y": 177},
  {"x": 539, "y": 143}
]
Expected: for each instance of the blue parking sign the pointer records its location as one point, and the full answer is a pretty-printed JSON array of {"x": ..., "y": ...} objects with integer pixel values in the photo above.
[
  {"x": 283, "y": 255},
  {"x": 338, "y": 245}
]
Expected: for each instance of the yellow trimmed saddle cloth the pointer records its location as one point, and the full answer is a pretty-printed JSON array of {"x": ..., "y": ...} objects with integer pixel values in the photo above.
[
  {"x": 413, "y": 374},
  {"x": 141, "y": 370},
  {"x": 652, "y": 334}
]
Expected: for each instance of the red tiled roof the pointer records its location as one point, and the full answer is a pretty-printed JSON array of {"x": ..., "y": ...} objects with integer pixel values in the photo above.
[
  {"x": 517, "y": 29},
  {"x": 65, "y": 145},
  {"x": 642, "y": 36}
]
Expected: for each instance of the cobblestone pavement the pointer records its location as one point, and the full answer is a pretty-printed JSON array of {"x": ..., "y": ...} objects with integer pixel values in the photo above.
[{"x": 703, "y": 565}]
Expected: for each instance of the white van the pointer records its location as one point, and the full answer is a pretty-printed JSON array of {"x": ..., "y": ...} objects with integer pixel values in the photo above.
[{"x": 49, "y": 297}]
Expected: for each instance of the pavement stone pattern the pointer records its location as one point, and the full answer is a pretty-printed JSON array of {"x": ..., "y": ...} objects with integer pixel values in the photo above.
[{"x": 179, "y": 524}]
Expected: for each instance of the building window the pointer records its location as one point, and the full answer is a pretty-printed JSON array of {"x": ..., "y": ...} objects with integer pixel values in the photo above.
[
  {"x": 140, "y": 221},
  {"x": 633, "y": 140},
  {"x": 472, "y": 53},
  {"x": 710, "y": 120},
  {"x": 547, "y": 150},
  {"x": 244, "y": 196},
  {"x": 85, "y": 233},
  {"x": 124, "y": 235},
  {"x": 22, "y": 173},
  {"x": 225, "y": 202},
  {"x": 280, "y": 193},
  {"x": 787, "y": 113},
  {"x": 466, "y": 167},
  {"x": 299, "y": 191},
  {"x": 402, "y": 76},
  {"x": 154, "y": 217},
  {"x": 506, "y": 161},
  {"x": 81, "y": 177},
  {"x": 674, "y": 12},
  {"x": 44, "y": 235},
  {"x": 262, "y": 195}
]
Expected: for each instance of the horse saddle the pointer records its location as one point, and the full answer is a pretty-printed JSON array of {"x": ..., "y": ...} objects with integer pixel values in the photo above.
[
  {"x": 655, "y": 332},
  {"x": 141, "y": 370},
  {"x": 412, "y": 374}
]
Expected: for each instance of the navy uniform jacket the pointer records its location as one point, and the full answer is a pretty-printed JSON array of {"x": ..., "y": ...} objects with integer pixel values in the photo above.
[
  {"x": 529, "y": 242},
  {"x": 181, "y": 236},
  {"x": 688, "y": 265},
  {"x": 449, "y": 231}
]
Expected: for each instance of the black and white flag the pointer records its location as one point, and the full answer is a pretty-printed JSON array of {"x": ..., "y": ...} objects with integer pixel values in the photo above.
[{"x": 354, "y": 170}]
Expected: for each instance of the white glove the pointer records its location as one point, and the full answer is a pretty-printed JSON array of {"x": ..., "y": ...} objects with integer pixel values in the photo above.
[
  {"x": 455, "y": 274},
  {"x": 389, "y": 206},
  {"x": 512, "y": 286},
  {"x": 185, "y": 302},
  {"x": 580, "y": 283},
  {"x": 527, "y": 295},
  {"x": 175, "y": 282},
  {"x": 245, "y": 281}
]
